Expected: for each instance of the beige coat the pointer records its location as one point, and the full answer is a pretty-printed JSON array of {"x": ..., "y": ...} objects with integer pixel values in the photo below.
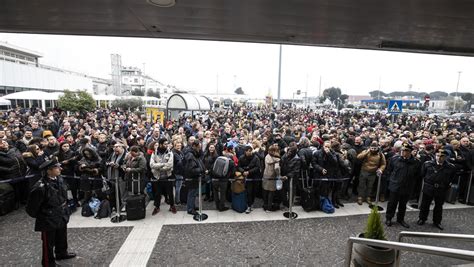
[{"x": 272, "y": 170}]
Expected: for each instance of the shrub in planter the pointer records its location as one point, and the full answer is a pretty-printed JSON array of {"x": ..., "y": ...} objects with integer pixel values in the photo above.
[{"x": 365, "y": 255}]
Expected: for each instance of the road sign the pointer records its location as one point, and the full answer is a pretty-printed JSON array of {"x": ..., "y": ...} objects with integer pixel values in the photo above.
[{"x": 395, "y": 106}]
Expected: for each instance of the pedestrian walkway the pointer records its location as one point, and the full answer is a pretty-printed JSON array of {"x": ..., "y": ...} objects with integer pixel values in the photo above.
[{"x": 139, "y": 245}]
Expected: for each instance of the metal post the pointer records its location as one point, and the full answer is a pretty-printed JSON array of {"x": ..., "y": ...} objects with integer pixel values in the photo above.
[
  {"x": 200, "y": 216},
  {"x": 118, "y": 207},
  {"x": 279, "y": 80},
  {"x": 290, "y": 214},
  {"x": 377, "y": 195},
  {"x": 457, "y": 88},
  {"x": 350, "y": 244}
]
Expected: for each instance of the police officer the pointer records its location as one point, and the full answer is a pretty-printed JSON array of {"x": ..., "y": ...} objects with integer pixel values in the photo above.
[
  {"x": 437, "y": 175},
  {"x": 402, "y": 170},
  {"x": 47, "y": 203}
]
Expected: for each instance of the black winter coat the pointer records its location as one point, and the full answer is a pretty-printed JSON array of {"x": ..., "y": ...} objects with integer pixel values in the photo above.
[
  {"x": 47, "y": 203},
  {"x": 331, "y": 162},
  {"x": 291, "y": 167},
  {"x": 306, "y": 156},
  {"x": 178, "y": 162},
  {"x": 437, "y": 177},
  {"x": 250, "y": 164},
  {"x": 194, "y": 168},
  {"x": 68, "y": 161},
  {"x": 403, "y": 174}
]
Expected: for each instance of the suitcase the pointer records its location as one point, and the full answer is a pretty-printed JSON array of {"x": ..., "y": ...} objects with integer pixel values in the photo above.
[
  {"x": 310, "y": 199},
  {"x": 7, "y": 199},
  {"x": 239, "y": 202},
  {"x": 136, "y": 206},
  {"x": 452, "y": 193},
  {"x": 470, "y": 197}
]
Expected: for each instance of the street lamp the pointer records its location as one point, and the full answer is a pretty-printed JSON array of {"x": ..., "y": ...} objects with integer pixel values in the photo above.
[{"x": 457, "y": 88}]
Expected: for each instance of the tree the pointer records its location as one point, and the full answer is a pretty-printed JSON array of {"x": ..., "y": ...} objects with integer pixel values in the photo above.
[
  {"x": 377, "y": 94},
  {"x": 332, "y": 93},
  {"x": 436, "y": 95},
  {"x": 455, "y": 104},
  {"x": 127, "y": 104},
  {"x": 343, "y": 98},
  {"x": 76, "y": 101},
  {"x": 138, "y": 92},
  {"x": 239, "y": 91},
  {"x": 374, "y": 228},
  {"x": 153, "y": 93},
  {"x": 469, "y": 98}
]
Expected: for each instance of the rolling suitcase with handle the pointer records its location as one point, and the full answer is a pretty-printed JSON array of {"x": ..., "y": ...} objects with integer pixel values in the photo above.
[
  {"x": 136, "y": 206},
  {"x": 470, "y": 192},
  {"x": 310, "y": 199},
  {"x": 452, "y": 193}
]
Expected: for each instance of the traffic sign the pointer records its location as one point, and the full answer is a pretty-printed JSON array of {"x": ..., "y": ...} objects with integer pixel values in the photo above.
[{"x": 395, "y": 106}]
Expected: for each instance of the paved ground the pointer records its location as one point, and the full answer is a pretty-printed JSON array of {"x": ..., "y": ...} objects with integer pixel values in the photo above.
[
  {"x": 316, "y": 241},
  {"x": 21, "y": 246}
]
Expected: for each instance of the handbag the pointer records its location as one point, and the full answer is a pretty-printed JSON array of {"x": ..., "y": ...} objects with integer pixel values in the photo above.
[
  {"x": 238, "y": 185},
  {"x": 279, "y": 183}
]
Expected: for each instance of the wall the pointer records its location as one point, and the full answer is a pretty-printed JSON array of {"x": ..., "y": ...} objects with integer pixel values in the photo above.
[{"x": 19, "y": 75}]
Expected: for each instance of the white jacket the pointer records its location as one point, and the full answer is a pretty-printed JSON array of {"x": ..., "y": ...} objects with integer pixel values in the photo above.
[{"x": 161, "y": 164}]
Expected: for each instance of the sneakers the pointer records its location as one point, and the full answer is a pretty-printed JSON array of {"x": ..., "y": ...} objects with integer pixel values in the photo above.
[
  {"x": 359, "y": 201},
  {"x": 173, "y": 209},
  {"x": 248, "y": 210},
  {"x": 155, "y": 211}
]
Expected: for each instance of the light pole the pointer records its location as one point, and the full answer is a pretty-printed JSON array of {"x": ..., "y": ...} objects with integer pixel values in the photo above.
[
  {"x": 457, "y": 88},
  {"x": 279, "y": 79}
]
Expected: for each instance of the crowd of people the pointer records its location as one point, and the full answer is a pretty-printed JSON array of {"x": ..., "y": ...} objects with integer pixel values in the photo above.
[{"x": 266, "y": 147}]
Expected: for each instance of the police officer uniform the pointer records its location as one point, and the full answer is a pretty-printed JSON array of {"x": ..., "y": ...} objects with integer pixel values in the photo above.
[
  {"x": 437, "y": 175},
  {"x": 402, "y": 172},
  {"x": 47, "y": 203}
]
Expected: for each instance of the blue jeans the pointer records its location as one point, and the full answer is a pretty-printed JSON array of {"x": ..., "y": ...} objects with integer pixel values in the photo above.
[
  {"x": 179, "y": 184},
  {"x": 191, "y": 203}
]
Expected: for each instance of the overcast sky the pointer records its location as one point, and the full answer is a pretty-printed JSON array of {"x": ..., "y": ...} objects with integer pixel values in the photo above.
[{"x": 204, "y": 65}]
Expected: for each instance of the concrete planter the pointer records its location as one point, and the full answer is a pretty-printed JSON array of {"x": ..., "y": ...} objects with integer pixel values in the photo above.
[{"x": 370, "y": 256}]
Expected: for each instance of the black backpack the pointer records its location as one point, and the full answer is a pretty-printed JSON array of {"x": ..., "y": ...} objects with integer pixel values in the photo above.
[
  {"x": 104, "y": 210},
  {"x": 86, "y": 210}
]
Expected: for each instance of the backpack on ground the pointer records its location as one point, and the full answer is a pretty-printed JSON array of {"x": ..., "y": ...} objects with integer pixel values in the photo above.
[
  {"x": 94, "y": 204},
  {"x": 326, "y": 205},
  {"x": 86, "y": 210},
  {"x": 104, "y": 210},
  {"x": 220, "y": 169}
]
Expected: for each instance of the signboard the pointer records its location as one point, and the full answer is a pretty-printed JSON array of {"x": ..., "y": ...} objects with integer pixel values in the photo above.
[
  {"x": 155, "y": 114},
  {"x": 395, "y": 106}
]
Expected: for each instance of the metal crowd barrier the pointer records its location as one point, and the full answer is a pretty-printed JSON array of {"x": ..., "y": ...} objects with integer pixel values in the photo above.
[
  {"x": 433, "y": 250},
  {"x": 403, "y": 234}
]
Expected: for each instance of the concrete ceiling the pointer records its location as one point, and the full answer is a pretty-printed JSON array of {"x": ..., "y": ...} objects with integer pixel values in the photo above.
[{"x": 429, "y": 26}]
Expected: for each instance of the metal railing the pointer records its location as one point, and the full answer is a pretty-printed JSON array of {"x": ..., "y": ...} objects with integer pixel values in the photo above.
[
  {"x": 461, "y": 254},
  {"x": 401, "y": 235}
]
